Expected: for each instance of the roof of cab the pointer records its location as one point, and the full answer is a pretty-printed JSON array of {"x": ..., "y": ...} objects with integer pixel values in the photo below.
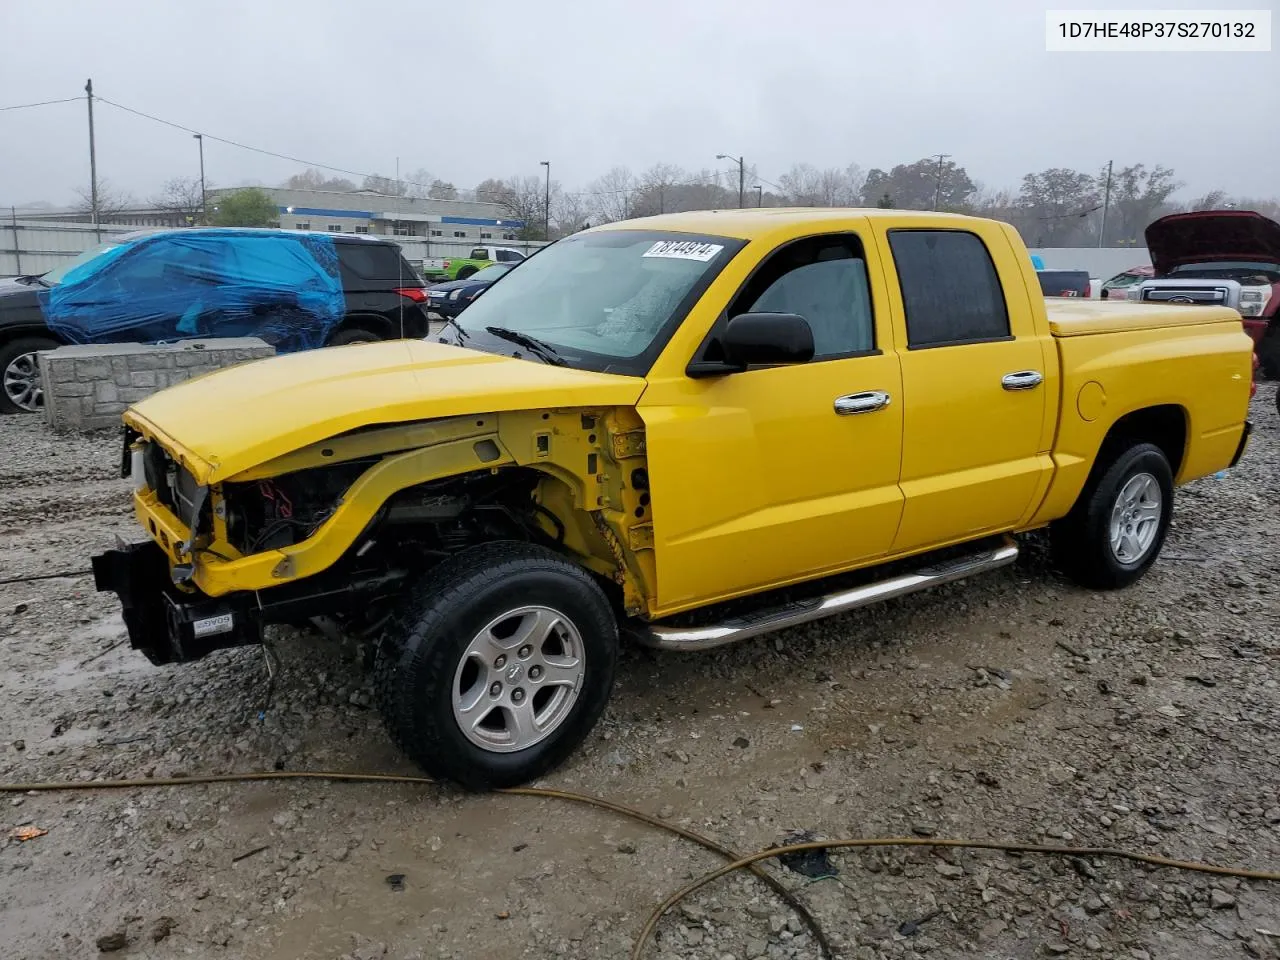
[{"x": 753, "y": 222}]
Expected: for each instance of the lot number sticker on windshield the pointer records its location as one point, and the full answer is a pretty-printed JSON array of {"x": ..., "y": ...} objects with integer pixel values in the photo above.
[{"x": 684, "y": 250}]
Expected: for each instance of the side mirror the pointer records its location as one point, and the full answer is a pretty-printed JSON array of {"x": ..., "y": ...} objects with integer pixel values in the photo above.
[{"x": 765, "y": 339}]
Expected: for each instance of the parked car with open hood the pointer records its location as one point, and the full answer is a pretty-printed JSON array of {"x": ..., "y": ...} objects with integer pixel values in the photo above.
[
  {"x": 296, "y": 290},
  {"x": 1122, "y": 284},
  {"x": 1222, "y": 258},
  {"x": 690, "y": 429}
]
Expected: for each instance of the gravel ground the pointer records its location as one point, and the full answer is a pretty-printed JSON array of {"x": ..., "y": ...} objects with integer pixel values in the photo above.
[{"x": 1012, "y": 706}]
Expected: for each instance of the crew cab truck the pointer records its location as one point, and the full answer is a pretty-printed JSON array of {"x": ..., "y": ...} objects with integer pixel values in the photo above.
[{"x": 688, "y": 429}]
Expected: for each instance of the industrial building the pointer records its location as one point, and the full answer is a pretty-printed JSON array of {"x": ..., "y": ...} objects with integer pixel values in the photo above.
[{"x": 364, "y": 211}]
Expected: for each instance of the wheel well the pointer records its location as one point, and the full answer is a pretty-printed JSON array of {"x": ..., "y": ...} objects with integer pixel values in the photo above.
[
  {"x": 364, "y": 321},
  {"x": 1164, "y": 425}
]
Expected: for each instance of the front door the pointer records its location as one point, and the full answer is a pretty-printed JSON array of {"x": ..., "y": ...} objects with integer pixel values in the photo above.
[
  {"x": 979, "y": 378},
  {"x": 781, "y": 474}
]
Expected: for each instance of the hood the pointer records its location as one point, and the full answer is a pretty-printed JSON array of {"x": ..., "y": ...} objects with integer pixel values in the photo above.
[
  {"x": 225, "y": 422},
  {"x": 14, "y": 294},
  {"x": 1212, "y": 235}
]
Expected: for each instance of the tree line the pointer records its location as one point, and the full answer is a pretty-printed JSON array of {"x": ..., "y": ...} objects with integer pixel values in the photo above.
[{"x": 1056, "y": 207}]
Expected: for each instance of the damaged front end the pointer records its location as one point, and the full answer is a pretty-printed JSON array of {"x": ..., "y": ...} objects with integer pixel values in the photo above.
[{"x": 335, "y": 529}]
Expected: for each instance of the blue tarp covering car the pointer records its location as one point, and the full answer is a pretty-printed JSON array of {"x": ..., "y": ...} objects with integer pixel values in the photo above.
[{"x": 181, "y": 285}]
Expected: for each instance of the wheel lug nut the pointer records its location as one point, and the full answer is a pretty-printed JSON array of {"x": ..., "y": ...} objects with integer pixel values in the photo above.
[
  {"x": 535, "y": 673},
  {"x": 500, "y": 663},
  {"x": 517, "y": 696},
  {"x": 524, "y": 652},
  {"x": 495, "y": 688}
]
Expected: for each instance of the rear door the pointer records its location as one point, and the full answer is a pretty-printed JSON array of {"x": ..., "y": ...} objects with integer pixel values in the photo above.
[{"x": 977, "y": 379}]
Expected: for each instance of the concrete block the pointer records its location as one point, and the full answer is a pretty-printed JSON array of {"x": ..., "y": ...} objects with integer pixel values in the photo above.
[
  {"x": 93, "y": 369},
  {"x": 142, "y": 378},
  {"x": 120, "y": 368},
  {"x": 106, "y": 391}
]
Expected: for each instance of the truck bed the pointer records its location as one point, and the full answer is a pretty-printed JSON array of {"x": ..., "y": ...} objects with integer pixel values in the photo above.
[{"x": 1078, "y": 318}]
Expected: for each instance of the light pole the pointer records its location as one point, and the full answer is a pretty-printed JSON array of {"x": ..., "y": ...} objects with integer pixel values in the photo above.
[
  {"x": 546, "y": 203},
  {"x": 1106, "y": 202},
  {"x": 937, "y": 187},
  {"x": 204, "y": 214},
  {"x": 742, "y": 174}
]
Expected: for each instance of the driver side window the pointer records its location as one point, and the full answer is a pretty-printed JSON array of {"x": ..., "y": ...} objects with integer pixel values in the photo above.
[{"x": 824, "y": 280}]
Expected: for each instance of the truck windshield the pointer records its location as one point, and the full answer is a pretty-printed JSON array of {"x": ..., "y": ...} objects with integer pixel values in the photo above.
[{"x": 606, "y": 301}]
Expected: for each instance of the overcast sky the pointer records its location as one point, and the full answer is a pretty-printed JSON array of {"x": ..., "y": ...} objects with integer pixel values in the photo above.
[{"x": 488, "y": 88}]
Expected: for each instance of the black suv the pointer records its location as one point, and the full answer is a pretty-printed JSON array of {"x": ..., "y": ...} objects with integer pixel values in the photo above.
[{"x": 294, "y": 289}]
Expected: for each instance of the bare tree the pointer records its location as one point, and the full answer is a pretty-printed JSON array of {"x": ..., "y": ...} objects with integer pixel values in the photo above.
[
  {"x": 655, "y": 194},
  {"x": 183, "y": 196},
  {"x": 442, "y": 190},
  {"x": 806, "y": 186},
  {"x": 612, "y": 195},
  {"x": 110, "y": 200},
  {"x": 569, "y": 214},
  {"x": 313, "y": 179},
  {"x": 388, "y": 186}
]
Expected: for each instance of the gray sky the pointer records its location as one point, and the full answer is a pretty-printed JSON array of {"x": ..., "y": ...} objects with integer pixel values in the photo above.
[{"x": 484, "y": 88}]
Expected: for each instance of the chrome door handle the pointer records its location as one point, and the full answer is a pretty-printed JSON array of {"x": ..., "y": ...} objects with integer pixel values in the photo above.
[
  {"x": 867, "y": 402},
  {"x": 1022, "y": 380}
]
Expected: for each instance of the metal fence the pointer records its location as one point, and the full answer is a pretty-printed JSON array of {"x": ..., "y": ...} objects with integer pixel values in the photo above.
[
  {"x": 34, "y": 246},
  {"x": 37, "y": 246}
]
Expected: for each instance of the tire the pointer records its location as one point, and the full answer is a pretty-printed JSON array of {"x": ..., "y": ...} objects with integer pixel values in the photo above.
[
  {"x": 1082, "y": 540},
  {"x": 465, "y": 272},
  {"x": 1268, "y": 351},
  {"x": 20, "y": 390},
  {"x": 353, "y": 335},
  {"x": 450, "y": 656}
]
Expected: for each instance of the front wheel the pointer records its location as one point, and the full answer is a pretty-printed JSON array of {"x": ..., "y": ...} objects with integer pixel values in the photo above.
[
  {"x": 21, "y": 389},
  {"x": 498, "y": 665},
  {"x": 1116, "y": 529}
]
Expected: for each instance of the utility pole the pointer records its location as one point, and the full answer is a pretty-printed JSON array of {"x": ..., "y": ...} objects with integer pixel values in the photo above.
[
  {"x": 204, "y": 210},
  {"x": 937, "y": 187},
  {"x": 546, "y": 203},
  {"x": 1106, "y": 202},
  {"x": 742, "y": 175},
  {"x": 93, "y": 163},
  {"x": 759, "y": 196}
]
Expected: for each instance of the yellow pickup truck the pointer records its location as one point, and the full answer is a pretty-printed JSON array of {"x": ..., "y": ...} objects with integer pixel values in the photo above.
[{"x": 688, "y": 429}]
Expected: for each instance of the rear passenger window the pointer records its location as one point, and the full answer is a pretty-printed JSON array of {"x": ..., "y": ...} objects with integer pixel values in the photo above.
[
  {"x": 824, "y": 280},
  {"x": 372, "y": 261},
  {"x": 950, "y": 288}
]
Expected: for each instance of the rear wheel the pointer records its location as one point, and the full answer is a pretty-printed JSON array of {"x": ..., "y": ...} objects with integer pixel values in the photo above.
[
  {"x": 353, "y": 335},
  {"x": 497, "y": 666},
  {"x": 21, "y": 390},
  {"x": 1116, "y": 529}
]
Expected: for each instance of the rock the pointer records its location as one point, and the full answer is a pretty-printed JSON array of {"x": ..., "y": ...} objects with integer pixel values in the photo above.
[
  {"x": 1092, "y": 943},
  {"x": 924, "y": 829},
  {"x": 756, "y": 948},
  {"x": 992, "y": 929},
  {"x": 695, "y": 936},
  {"x": 626, "y": 848},
  {"x": 111, "y": 942},
  {"x": 692, "y": 912},
  {"x": 1056, "y": 949},
  {"x": 285, "y": 819},
  {"x": 949, "y": 870},
  {"x": 340, "y": 853},
  {"x": 1220, "y": 899},
  {"x": 742, "y": 743},
  {"x": 678, "y": 755},
  {"x": 161, "y": 929}
]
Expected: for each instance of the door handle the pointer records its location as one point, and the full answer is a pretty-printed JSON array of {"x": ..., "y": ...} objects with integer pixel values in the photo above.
[
  {"x": 1022, "y": 380},
  {"x": 867, "y": 402}
]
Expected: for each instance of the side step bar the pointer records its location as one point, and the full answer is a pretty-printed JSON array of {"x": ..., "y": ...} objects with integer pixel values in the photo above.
[{"x": 803, "y": 611}]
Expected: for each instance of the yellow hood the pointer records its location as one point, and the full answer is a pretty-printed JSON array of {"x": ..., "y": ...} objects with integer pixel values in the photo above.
[{"x": 223, "y": 423}]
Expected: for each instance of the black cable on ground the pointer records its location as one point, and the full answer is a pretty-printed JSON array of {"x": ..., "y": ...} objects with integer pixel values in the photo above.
[
  {"x": 69, "y": 575},
  {"x": 736, "y": 863},
  {"x": 1006, "y": 847},
  {"x": 772, "y": 882}
]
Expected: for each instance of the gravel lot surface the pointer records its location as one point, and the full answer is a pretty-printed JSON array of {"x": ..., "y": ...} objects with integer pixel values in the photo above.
[{"x": 1012, "y": 706}]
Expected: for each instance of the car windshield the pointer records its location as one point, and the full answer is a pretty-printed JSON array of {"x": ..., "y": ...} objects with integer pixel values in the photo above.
[
  {"x": 55, "y": 276},
  {"x": 605, "y": 300},
  {"x": 491, "y": 272}
]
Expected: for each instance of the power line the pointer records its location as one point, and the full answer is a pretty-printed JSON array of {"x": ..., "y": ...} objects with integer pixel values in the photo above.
[{"x": 42, "y": 103}]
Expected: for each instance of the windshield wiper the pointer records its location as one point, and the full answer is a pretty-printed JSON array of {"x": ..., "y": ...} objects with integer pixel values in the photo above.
[
  {"x": 540, "y": 348},
  {"x": 34, "y": 278}
]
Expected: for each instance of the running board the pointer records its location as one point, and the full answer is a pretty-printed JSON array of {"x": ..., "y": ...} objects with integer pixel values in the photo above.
[{"x": 803, "y": 611}]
